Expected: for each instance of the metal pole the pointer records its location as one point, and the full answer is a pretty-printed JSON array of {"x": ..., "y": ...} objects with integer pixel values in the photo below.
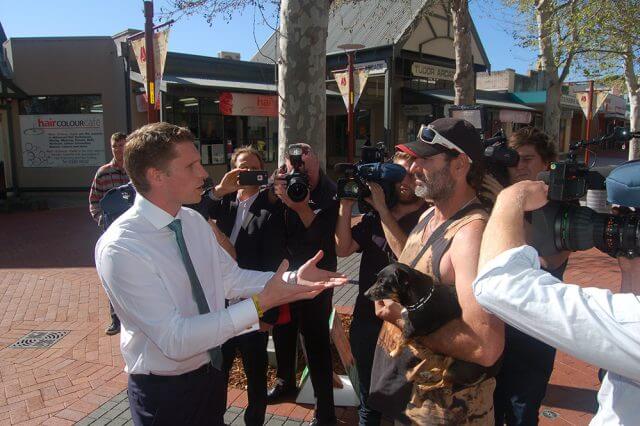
[
  {"x": 126, "y": 49},
  {"x": 589, "y": 118},
  {"x": 350, "y": 124},
  {"x": 151, "y": 74}
]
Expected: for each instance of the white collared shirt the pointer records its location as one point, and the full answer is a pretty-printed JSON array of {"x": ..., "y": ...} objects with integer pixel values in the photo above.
[
  {"x": 592, "y": 324},
  {"x": 140, "y": 266},
  {"x": 241, "y": 213}
]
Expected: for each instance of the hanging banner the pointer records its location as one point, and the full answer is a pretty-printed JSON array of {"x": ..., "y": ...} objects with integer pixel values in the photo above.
[
  {"x": 248, "y": 104},
  {"x": 598, "y": 99},
  {"x": 160, "y": 45},
  {"x": 360, "y": 77}
]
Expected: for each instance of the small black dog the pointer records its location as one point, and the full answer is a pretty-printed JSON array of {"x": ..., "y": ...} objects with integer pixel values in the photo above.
[{"x": 429, "y": 306}]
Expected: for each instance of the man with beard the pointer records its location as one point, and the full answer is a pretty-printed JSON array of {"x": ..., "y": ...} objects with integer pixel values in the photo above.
[
  {"x": 368, "y": 237},
  {"x": 448, "y": 171}
]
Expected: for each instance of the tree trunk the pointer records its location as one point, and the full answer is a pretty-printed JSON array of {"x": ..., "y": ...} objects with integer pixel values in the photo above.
[
  {"x": 464, "y": 79},
  {"x": 302, "y": 49},
  {"x": 548, "y": 65},
  {"x": 633, "y": 88}
]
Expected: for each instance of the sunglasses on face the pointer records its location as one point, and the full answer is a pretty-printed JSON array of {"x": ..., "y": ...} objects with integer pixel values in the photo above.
[{"x": 429, "y": 135}]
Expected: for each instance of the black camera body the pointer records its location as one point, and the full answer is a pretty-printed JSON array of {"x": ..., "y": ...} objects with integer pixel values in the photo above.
[
  {"x": 297, "y": 181},
  {"x": 498, "y": 156},
  {"x": 371, "y": 168},
  {"x": 575, "y": 227}
]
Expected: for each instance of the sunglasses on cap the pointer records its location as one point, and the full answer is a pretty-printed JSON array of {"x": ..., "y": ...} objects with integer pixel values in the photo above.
[{"x": 429, "y": 135}]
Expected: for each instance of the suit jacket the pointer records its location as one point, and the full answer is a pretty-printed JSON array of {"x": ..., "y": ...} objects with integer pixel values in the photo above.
[{"x": 260, "y": 244}]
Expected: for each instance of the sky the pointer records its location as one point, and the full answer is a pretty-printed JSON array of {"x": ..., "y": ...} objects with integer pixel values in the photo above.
[{"x": 192, "y": 34}]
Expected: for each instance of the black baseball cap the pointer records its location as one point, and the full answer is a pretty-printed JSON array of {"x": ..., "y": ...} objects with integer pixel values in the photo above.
[{"x": 446, "y": 135}]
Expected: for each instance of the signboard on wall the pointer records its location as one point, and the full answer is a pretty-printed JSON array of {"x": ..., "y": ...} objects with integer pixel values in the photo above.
[
  {"x": 432, "y": 71},
  {"x": 248, "y": 104},
  {"x": 62, "y": 140}
]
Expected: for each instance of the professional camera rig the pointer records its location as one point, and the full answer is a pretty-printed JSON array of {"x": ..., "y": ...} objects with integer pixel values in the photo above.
[
  {"x": 575, "y": 227},
  {"x": 371, "y": 168}
]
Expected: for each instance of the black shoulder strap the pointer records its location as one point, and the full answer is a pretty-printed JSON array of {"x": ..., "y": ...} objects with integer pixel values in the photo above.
[{"x": 440, "y": 230}]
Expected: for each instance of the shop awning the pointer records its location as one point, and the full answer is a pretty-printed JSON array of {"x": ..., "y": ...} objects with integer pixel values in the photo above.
[
  {"x": 225, "y": 85},
  {"x": 483, "y": 97},
  {"x": 208, "y": 83}
]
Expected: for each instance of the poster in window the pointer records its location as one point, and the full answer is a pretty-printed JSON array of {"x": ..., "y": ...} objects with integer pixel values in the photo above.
[{"x": 62, "y": 140}]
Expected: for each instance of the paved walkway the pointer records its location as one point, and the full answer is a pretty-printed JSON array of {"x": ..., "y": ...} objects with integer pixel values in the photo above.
[{"x": 48, "y": 283}]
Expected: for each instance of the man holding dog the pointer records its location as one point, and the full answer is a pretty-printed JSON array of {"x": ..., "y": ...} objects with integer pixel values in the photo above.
[
  {"x": 448, "y": 171},
  {"x": 168, "y": 279},
  {"x": 369, "y": 238}
]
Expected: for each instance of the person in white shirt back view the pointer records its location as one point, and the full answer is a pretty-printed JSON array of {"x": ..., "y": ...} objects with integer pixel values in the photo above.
[
  {"x": 592, "y": 324},
  {"x": 167, "y": 278}
]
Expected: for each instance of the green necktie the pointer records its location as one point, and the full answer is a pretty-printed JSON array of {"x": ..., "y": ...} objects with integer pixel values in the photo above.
[{"x": 196, "y": 289}]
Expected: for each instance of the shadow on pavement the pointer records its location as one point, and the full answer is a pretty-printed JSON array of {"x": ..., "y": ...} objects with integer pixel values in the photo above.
[{"x": 61, "y": 238}]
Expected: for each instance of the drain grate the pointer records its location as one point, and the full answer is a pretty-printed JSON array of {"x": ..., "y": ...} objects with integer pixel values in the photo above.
[{"x": 39, "y": 339}]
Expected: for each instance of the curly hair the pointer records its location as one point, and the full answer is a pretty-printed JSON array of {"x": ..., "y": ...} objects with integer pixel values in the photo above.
[{"x": 541, "y": 142}]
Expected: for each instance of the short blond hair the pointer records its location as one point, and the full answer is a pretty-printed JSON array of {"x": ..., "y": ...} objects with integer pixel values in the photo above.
[{"x": 152, "y": 146}]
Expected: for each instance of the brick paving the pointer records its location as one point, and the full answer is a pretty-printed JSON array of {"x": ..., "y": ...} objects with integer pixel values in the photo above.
[{"x": 48, "y": 282}]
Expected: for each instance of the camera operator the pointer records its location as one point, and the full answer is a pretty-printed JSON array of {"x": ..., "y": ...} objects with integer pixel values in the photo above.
[
  {"x": 368, "y": 237},
  {"x": 247, "y": 217},
  {"x": 527, "y": 363},
  {"x": 309, "y": 226},
  {"x": 589, "y": 323}
]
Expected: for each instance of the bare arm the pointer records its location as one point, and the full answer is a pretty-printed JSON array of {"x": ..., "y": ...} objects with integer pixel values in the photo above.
[
  {"x": 505, "y": 229},
  {"x": 477, "y": 336},
  {"x": 345, "y": 244},
  {"x": 396, "y": 237}
]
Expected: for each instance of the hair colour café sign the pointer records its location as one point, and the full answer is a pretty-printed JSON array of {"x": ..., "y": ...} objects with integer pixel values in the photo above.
[
  {"x": 62, "y": 140},
  {"x": 248, "y": 104}
]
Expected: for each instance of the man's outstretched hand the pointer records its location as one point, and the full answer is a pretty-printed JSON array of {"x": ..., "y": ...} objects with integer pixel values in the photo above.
[{"x": 311, "y": 282}]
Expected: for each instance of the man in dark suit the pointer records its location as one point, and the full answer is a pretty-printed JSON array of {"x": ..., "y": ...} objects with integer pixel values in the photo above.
[{"x": 245, "y": 215}]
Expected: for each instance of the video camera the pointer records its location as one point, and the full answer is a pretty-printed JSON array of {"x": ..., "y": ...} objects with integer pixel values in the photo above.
[
  {"x": 297, "y": 181},
  {"x": 371, "y": 168},
  {"x": 497, "y": 154},
  {"x": 575, "y": 227}
]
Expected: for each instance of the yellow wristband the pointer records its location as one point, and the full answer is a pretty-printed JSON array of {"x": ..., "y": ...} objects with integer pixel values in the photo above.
[{"x": 257, "y": 305}]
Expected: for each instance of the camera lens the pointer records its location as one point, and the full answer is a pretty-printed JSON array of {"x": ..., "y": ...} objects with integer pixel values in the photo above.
[
  {"x": 580, "y": 228},
  {"x": 297, "y": 189},
  {"x": 352, "y": 189}
]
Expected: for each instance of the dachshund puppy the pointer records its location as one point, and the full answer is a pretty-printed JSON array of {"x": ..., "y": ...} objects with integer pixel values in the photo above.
[{"x": 428, "y": 306}]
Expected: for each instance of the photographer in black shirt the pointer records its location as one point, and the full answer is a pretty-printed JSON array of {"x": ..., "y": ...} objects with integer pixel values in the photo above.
[
  {"x": 254, "y": 226},
  {"x": 368, "y": 237},
  {"x": 309, "y": 227}
]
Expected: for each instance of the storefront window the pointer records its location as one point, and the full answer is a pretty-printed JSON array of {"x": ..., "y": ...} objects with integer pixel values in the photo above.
[
  {"x": 61, "y": 104},
  {"x": 262, "y": 133}
]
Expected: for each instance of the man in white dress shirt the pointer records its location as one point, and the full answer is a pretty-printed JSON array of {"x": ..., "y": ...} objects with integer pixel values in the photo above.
[
  {"x": 168, "y": 278},
  {"x": 589, "y": 323}
]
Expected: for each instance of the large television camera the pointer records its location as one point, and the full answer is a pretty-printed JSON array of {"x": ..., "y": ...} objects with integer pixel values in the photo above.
[
  {"x": 576, "y": 227},
  {"x": 371, "y": 168}
]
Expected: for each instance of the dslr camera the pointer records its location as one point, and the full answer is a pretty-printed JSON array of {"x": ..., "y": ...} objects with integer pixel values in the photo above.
[
  {"x": 576, "y": 227},
  {"x": 371, "y": 168},
  {"x": 297, "y": 181}
]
